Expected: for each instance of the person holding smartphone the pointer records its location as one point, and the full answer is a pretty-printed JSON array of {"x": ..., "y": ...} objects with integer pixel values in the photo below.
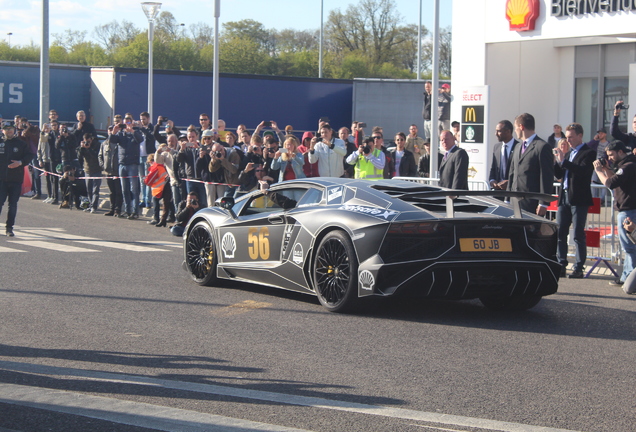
[{"x": 289, "y": 161}]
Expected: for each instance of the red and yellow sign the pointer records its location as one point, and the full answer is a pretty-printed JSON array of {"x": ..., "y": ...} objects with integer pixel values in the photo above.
[{"x": 522, "y": 14}]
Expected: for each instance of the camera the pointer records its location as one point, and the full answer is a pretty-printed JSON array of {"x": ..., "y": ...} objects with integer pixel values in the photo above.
[
  {"x": 324, "y": 119},
  {"x": 366, "y": 149},
  {"x": 164, "y": 119},
  {"x": 194, "y": 202},
  {"x": 362, "y": 125},
  {"x": 319, "y": 139},
  {"x": 267, "y": 123},
  {"x": 622, "y": 106},
  {"x": 218, "y": 154},
  {"x": 603, "y": 161}
]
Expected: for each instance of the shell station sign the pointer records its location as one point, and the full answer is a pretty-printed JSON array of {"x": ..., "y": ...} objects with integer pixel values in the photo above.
[{"x": 522, "y": 14}]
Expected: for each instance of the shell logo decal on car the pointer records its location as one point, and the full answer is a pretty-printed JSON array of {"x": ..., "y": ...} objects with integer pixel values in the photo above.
[
  {"x": 367, "y": 281},
  {"x": 228, "y": 243}
]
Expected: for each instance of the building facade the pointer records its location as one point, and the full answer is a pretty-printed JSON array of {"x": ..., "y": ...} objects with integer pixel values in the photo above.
[{"x": 560, "y": 60}]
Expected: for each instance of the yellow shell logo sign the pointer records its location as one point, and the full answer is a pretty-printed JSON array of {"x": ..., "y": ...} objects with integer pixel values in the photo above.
[{"x": 522, "y": 14}]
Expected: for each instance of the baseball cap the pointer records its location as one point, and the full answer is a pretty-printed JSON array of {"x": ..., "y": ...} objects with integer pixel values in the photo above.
[
  {"x": 602, "y": 130},
  {"x": 445, "y": 85},
  {"x": 208, "y": 133}
]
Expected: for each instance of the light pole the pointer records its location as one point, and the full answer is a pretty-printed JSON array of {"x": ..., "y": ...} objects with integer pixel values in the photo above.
[
  {"x": 9, "y": 34},
  {"x": 215, "y": 67},
  {"x": 322, "y": 4},
  {"x": 151, "y": 9}
]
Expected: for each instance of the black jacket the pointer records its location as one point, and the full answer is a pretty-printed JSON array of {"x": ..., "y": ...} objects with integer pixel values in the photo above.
[
  {"x": 624, "y": 184},
  {"x": 453, "y": 172},
  {"x": 89, "y": 157},
  {"x": 579, "y": 173},
  {"x": 407, "y": 163},
  {"x": 150, "y": 138},
  {"x": 184, "y": 213},
  {"x": 12, "y": 150},
  {"x": 67, "y": 146},
  {"x": 628, "y": 139},
  {"x": 426, "y": 109}
]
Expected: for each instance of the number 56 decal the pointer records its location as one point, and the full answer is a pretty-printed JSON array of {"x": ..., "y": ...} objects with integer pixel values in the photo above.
[{"x": 258, "y": 240}]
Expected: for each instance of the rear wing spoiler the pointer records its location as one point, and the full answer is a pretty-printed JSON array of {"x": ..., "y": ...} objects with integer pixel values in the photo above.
[{"x": 452, "y": 194}]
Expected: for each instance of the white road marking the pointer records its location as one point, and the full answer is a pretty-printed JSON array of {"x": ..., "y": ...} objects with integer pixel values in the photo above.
[
  {"x": 6, "y": 249},
  {"x": 58, "y": 235},
  {"x": 52, "y": 246},
  {"x": 127, "y": 412},
  {"x": 398, "y": 413},
  {"x": 162, "y": 243},
  {"x": 123, "y": 246}
]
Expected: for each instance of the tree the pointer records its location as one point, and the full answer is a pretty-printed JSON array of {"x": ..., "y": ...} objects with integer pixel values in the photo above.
[
  {"x": 167, "y": 28},
  {"x": 445, "y": 53},
  {"x": 292, "y": 41},
  {"x": 241, "y": 55},
  {"x": 247, "y": 29},
  {"x": 370, "y": 27},
  {"x": 202, "y": 34},
  {"x": 114, "y": 35},
  {"x": 69, "y": 38}
]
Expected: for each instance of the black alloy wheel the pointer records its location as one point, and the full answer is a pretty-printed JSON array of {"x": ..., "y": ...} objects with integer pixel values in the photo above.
[
  {"x": 201, "y": 254},
  {"x": 336, "y": 272}
]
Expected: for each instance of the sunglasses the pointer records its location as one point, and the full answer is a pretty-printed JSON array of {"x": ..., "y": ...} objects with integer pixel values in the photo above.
[
  {"x": 259, "y": 170},
  {"x": 377, "y": 137}
]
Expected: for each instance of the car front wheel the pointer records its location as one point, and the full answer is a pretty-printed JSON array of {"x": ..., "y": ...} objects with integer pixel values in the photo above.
[
  {"x": 201, "y": 254},
  {"x": 335, "y": 272}
]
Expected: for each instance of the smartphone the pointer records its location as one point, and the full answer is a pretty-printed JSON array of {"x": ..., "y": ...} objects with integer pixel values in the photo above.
[
  {"x": 324, "y": 119},
  {"x": 282, "y": 150},
  {"x": 267, "y": 123}
]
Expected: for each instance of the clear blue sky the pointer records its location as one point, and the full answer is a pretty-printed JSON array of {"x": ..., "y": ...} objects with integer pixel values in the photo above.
[{"x": 23, "y": 17}]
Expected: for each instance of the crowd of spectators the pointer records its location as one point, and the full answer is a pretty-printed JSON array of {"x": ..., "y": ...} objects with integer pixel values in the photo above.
[{"x": 167, "y": 169}]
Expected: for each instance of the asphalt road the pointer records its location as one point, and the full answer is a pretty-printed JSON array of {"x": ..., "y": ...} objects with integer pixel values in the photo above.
[{"x": 102, "y": 330}]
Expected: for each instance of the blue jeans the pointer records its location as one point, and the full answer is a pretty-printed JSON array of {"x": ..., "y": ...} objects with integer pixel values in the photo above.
[
  {"x": 566, "y": 215},
  {"x": 130, "y": 187},
  {"x": 92, "y": 187},
  {"x": 11, "y": 190},
  {"x": 628, "y": 247},
  {"x": 146, "y": 191}
]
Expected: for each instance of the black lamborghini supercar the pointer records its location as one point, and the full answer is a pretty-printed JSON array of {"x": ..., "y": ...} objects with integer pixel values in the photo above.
[{"x": 344, "y": 240}]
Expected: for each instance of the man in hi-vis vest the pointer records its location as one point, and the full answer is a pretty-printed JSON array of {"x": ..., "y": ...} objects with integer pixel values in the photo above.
[{"x": 369, "y": 160}]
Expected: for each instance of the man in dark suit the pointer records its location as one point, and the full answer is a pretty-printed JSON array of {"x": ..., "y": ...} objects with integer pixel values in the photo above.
[
  {"x": 404, "y": 160},
  {"x": 501, "y": 155},
  {"x": 453, "y": 171},
  {"x": 532, "y": 165},
  {"x": 574, "y": 169}
]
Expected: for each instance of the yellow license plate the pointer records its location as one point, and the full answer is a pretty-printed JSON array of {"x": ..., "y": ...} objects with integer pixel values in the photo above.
[{"x": 485, "y": 245}]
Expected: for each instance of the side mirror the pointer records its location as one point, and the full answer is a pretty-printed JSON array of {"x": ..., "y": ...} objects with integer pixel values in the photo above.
[{"x": 225, "y": 202}]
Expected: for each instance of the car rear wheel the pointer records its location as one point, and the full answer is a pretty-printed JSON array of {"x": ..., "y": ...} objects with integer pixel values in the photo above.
[
  {"x": 510, "y": 303},
  {"x": 335, "y": 272},
  {"x": 201, "y": 254}
]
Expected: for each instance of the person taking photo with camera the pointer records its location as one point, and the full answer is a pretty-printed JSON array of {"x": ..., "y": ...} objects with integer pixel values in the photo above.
[
  {"x": 623, "y": 184},
  {"x": 187, "y": 208},
  {"x": 629, "y": 139},
  {"x": 369, "y": 160}
]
